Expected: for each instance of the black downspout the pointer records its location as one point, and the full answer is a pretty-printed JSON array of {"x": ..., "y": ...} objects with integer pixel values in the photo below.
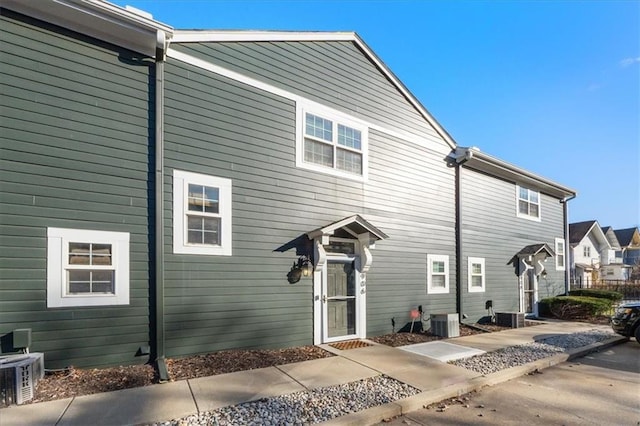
[
  {"x": 459, "y": 298},
  {"x": 159, "y": 210},
  {"x": 567, "y": 263},
  {"x": 458, "y": 159}
]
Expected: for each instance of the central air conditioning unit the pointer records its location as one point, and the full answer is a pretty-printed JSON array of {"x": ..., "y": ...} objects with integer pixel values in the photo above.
[
  {"x": 445, "y": 325},
  {"x": 510, "y": 319},
  {"x": 19, "y": 375}
]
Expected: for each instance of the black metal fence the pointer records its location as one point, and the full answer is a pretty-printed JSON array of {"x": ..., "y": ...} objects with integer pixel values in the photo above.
[{"x": 629, "y": 289}]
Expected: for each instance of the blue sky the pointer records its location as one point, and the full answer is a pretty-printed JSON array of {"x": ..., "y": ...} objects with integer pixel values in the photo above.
[{"x": 550, "y": 86}]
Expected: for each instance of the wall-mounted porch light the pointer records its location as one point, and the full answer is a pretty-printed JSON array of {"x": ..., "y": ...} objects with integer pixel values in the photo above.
[{"x": 302, "y": 268}]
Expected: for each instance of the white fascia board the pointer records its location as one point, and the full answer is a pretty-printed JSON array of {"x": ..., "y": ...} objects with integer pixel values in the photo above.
[
  {"x": 475, "y": 158},
  {"x": 182, "y": 36},
  {"x": 407, "y": 94},
  {"x": 596, "y": 229},
  {"x": 203, "y": 36},
  {"x": 236, "y": 76}
]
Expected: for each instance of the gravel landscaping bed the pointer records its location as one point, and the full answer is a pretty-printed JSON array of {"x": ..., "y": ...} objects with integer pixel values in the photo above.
[
  {"x": 306, "y": 407},
  {"x": 513, "y": 356},
  {"x": 326, "y": 403}
]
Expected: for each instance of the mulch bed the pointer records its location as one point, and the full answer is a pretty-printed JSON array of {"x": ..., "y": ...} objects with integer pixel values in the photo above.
[{"x": 75, "y": 382}]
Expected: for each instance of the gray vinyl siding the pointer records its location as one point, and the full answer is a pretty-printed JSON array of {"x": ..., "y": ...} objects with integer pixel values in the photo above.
[
  {"x": 74, "y": 129},
  {"x": 223, "y": 128},
  {"x": 491, "y": 230},
  {"x": 336, "y": 74}
]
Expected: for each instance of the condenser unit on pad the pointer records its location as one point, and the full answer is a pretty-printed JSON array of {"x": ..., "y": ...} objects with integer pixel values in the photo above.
[
  {"x": 510, "y": 319},
  {"x": 19, "y": 375},
  {"x": 445, "y": 325}
]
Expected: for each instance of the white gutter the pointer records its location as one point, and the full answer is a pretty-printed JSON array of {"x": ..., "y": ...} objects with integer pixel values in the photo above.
[
  {"x": 476, "y": 159},
  {"x": 99, "y": 19}
]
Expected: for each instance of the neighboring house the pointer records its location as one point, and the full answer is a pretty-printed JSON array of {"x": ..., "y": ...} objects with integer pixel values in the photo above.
[
  {"x": 588, "y": 247},
  {"x": 629, "y": 240},
  {"x": 612, "y": 266},
  {"x": 168, "y": 193}
]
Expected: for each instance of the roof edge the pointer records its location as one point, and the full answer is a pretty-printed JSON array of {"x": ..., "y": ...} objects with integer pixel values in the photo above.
[
  {"x": 203, "y": 36},
  {"x": 476, "y": 159},
  {"x": 99, "y": 19},
  {"x": 600, "y": 235},
  {"x": 197, "y": 36},
  {"x": 356, "y": 218}
]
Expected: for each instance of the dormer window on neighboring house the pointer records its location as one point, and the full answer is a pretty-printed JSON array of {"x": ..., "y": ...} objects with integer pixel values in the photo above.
[{"x": 528, "y": 203}]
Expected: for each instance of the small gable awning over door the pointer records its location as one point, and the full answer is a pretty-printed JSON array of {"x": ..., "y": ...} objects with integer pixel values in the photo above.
[
  {"x": 531, "y": 257},
  {"x": 354, "y": 225},
  {"x": 350, "y": 227},
  {"x": 535, "y": 249}
]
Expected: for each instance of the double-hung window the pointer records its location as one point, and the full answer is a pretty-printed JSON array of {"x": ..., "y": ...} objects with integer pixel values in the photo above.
[
  {"x": 437, "y": 274},
  {"x": 586, "y": 251},
  {"x": 201, "y": 214},
  {"x": 476, "y": 275},
  {"x": 332, "y": 144},
  {"x": 87, "y": 268},
  {"x": 560, "y": 256},
  {"x": 528, "y": 203}
]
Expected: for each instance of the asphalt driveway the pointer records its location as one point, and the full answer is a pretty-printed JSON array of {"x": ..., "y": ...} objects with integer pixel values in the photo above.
[{"x": 600, "y": 388}]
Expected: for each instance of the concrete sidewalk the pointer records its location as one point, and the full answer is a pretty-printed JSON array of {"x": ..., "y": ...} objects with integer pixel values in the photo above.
[{"x": 435, "y": 379}]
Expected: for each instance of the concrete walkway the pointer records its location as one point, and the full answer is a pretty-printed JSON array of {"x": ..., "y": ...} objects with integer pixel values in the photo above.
[{"x": 437, "y": 380}]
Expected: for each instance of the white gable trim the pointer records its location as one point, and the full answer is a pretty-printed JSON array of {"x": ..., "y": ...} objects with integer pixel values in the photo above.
[
  {"x": 196, "y": 36},
  {"x": 254, "y": 36},
  {"x": 183, "y": 57}
]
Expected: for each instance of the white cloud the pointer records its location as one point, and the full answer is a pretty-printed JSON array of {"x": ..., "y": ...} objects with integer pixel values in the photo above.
[{"x": 627, "y": 62}]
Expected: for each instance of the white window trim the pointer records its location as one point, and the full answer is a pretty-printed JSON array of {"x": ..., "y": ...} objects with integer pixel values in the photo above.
[
  {"x": 181, "y": 180},
  {"x": 558, "y": 242},
  {"x": 526, "y": 216},
  {"x": 58, "y": 240},
  {"x": 339, "y": 118},
  {"x": 442, "y": 258},
  {"x": 470, "y": 261}
]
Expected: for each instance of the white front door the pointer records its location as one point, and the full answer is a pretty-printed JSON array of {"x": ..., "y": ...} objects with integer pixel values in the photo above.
[{"x": 340, "y": 300}]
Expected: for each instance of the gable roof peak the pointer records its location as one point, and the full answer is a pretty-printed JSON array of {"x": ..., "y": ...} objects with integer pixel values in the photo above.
[
  {"x": 626, "y": 236},
  {"x": 578, "y": 230},
  {"x": 221, "y": 36}
]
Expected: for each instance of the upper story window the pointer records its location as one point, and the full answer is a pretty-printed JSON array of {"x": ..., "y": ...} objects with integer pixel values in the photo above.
[
  {"x": 528, "y": 203},
  {"x": 330, "y": 143},
  {"x": 476, "y": 275},
  {"x": 437, "y": 274},
  {"x": 586, "y": 251},
  {"x": 87, "y": 268},
  {"x": 560, "y": 255},
  {"x": 201, "y": 214}
]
